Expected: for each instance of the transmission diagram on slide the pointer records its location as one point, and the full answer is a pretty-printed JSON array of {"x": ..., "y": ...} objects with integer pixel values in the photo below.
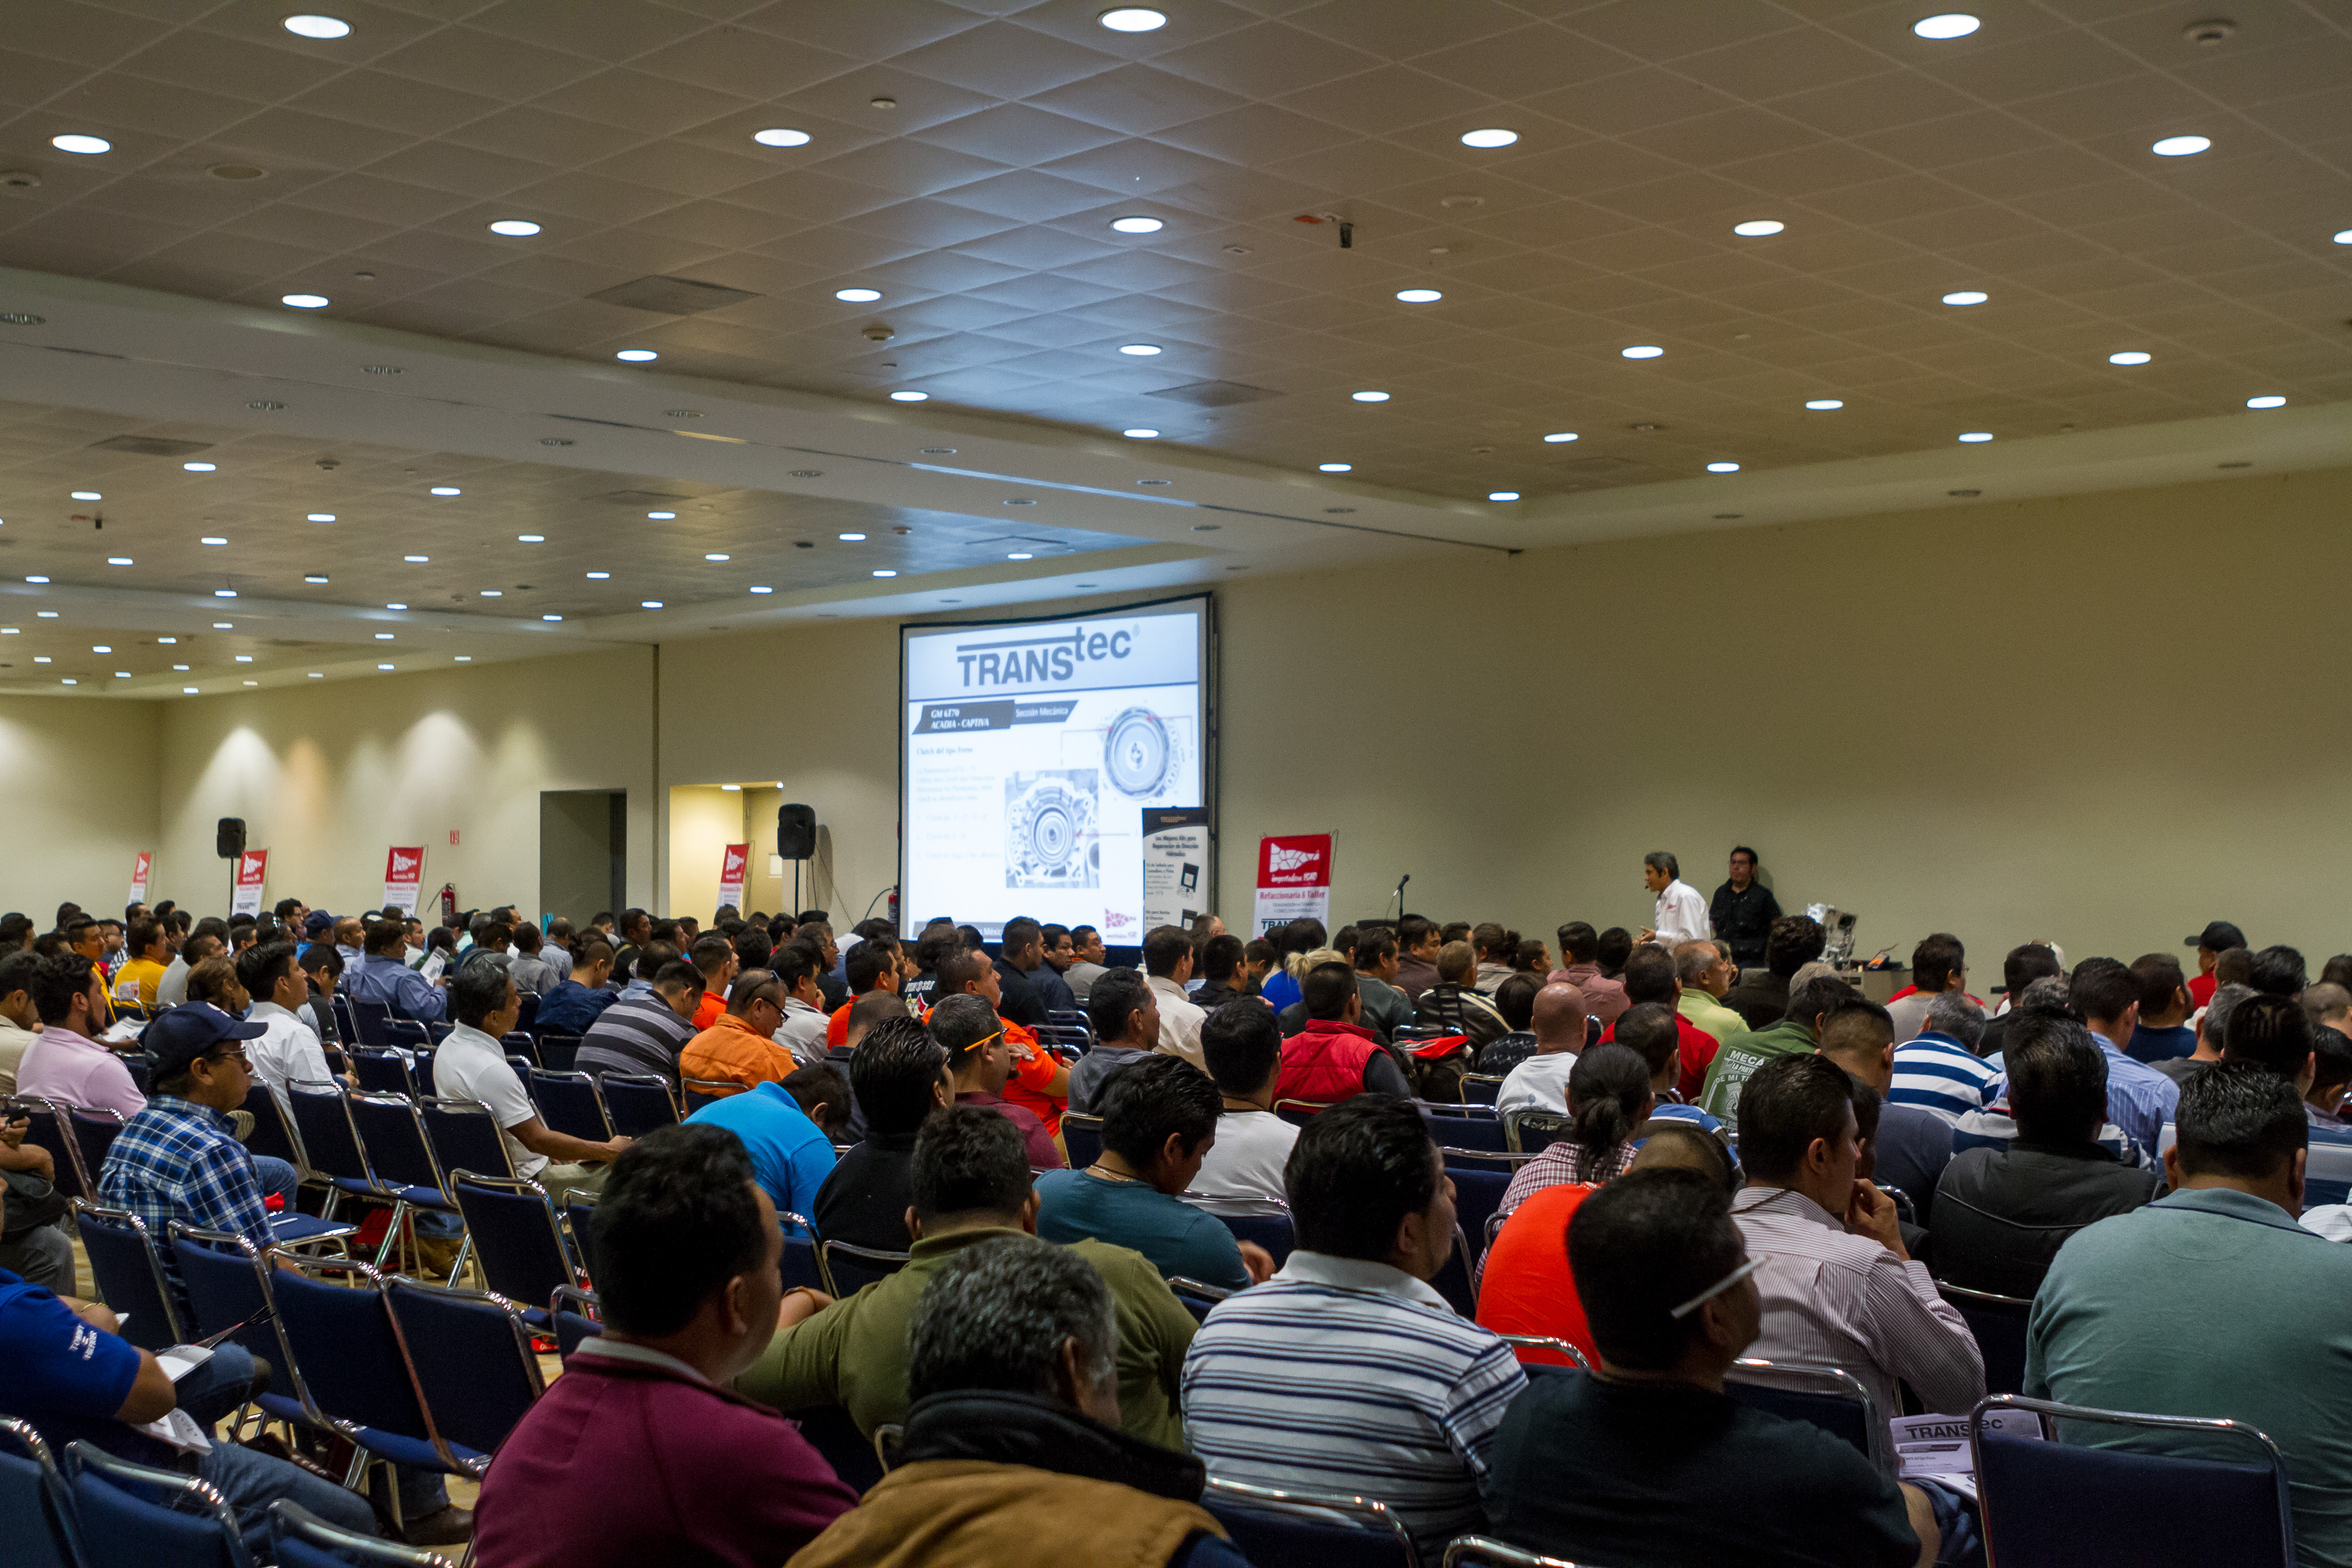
[{"x": 1052, "y": 838}]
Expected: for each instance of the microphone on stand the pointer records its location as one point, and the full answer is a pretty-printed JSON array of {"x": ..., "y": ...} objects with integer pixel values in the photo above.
[{"x": 1400, "y": 894}]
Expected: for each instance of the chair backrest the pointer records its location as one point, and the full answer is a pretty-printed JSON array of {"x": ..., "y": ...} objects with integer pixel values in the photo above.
[
  {"x": 516, "y": 1234},
  {"x": 393, "y": 1134},
  {"x": 37, "y": 1515},
  {"x": 465, "y": 1136},
  {"x": 346, "y": 1022},
  {"x": 638, "y": 1102},
  {"x": 1998, "y": 1324},
  {"x": 1528, "y": 1131},
  {"x": 1455, "y": 1282},
  {"x": 852, "y": 1268},
  {"x": 128, "y": 1514},
  {"x": 1199, "y": 1299},
  {"x": 580, "y": 1219},
  {"x": 1477, "y": 1198},
  {"x": 1299, "y": 1529},
  {"x": 46, "y": 1127},
  {"x": 1272, "y": 1231},
  {"x": 1483, "y": 1552},
  {"x": 1547, "y": 1346},
  {"x": 701, "y": 1091},
  {"x": 833, "y": 1434},
  {"x": 330, "y": 1138},
  {"x": 473, "y": 1359},
  {"x": 1082, "y": 1136},
  {"x": 408, "y": 1034},
  {"x": 530, "y": 1013},
  {"x": 1829, "y": 1397},
  {"x": 1479, "y": 1132},
  {"x": 351, "y": 1366},
  {"x": 558, "y": 1052},
  {"x": 1479, "y": 1089},
  {"x": 2050, "y": 1504},
  {"x": 568, "y": 1102},
  {"x": 369, "y": 1018},
  {"x": 578, "y": 1316},
  {"x": 299, "y": 1539},
  {"x": 228, "y": 1287},
  {"x": 95, "y": 1129},
  {"x": 129, "y": 1274},
  {"x": 272, "y": 1134},
  {"x": 801, "y": 1265},
  {"x": 1299, "y": 1112}
]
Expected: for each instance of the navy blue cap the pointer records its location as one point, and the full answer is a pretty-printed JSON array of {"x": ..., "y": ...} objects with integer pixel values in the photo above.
[{"x": 190, "y": 1031}]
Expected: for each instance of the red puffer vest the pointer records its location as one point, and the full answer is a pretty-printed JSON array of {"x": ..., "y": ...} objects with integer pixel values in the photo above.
[{"x": 1324, "y": 1061}]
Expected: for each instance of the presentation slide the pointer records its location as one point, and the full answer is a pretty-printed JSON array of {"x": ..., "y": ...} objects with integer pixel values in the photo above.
[{"x": 1032, "y": 750}]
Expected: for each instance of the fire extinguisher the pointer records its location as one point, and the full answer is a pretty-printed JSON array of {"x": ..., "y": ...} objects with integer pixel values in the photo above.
[
  {"x": 448, "y": 903},
  {"x": 894, "y": 910}
]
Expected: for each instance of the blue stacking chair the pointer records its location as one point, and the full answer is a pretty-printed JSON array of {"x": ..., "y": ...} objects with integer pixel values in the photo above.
[
  {"x": 1528, "y": 1131},
  {"x": 518, "y": 1236},
  {"x": 568, "y": 1102},
  {"x": 557, "y": 1052},
  {"x": 331, "y": 1141},
  {"x": 347, "y": 1027},
  {"x": 473, "y": 1359},
  {"x": 1473, "y": 1552},
  {"x": 464, "y": 1137},
  {"x": 381, "y": 1070},
  {"x": 701, "y": 1091},
  {"x": 36, "y": 1511},
  {"x": 1829, "y": 1397},
  {"x": 849, "y": 1269},
  {"x": 637, "y": 1102},
  {"x": 228, "y": 1286},
  {"x": 368, "y": 1020},
  {"x": 833, "y": 1434},
  {"x": 1082, "y": 1136},
  {"x": 130, "y": 1514},
  {"x": 1998, "y": 1324},
  {"x": 299, "y": 1539},
  {"x": 2058, "y": 1504},
  {"x": 46, "y": 1127},
  {"x": 580, "y": 1218},
  {"x": 400, "y": 1158},
  {"x": 528, "y": 1015},
  {"x": 129, "y": 1274},
  {"x": 94, "y": 1130},
  {"x": 408, "y": 1034},
  {"x": 1479, "y": 1132},
  {"x": 1477, "y": 1197},
  {"x": 1272, "y": 1231},
  {"x": 1478, "y": 1090},
  {"x": 802, "y": 1267},
  {"x": 1199, "y": 1299},
  {"x": 1293, "y": 1527},
  {"x": 577, "y": 1315},
  {"x": 272, "y": 1135}
]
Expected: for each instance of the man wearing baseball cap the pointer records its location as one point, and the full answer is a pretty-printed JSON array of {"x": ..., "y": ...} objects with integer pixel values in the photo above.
[{"x": 2210, "y": 943}]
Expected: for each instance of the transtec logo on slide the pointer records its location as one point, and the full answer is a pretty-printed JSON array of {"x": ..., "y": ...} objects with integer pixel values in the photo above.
[{"x": 1039, "y": 659}]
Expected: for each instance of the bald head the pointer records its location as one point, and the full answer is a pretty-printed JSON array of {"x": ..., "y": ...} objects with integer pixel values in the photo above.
[
  {"x": 1559, "y": 1022},
  {"x": 1686, "y": 1147},
  {"x": 1701, "y": 966}
]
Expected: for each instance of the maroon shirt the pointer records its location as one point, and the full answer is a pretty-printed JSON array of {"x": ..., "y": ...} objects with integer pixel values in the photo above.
[
  {"x": 1042, "y": 1154},
  {"x": 622, "y": 1464}
]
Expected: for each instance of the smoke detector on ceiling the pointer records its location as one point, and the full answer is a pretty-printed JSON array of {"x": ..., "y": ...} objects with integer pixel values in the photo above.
[
  {"x": 19, "y": 179},
  {"x": 2209, "y": 31}
]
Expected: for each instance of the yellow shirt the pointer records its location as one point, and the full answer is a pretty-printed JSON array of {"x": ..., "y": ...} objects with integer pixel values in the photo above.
[{"x": 147, "y": 973}]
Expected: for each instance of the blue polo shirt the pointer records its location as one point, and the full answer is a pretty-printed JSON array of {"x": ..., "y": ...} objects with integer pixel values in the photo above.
[
  {"x": 63, "y": 1376},
  {"x": 1179, "y": 1239},
  {"x": 791, "y": 1155}
]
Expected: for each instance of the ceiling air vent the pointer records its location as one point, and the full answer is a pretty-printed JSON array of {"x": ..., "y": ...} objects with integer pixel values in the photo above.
[
  {"x": 672, "y": 296},
  {"x": 151, "y": 446},
  {"x": 1215, "y": 394}
]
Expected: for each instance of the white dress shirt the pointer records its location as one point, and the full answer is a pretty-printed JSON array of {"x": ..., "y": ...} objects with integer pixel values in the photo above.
[
  {"x": 1682, "y": 915},
  {"x": 1538, "y": 1083},
  {"x": 1180, "y": 1022},
  {"x": 1242, "y": 1168},
  {"x": 287, "y": 1051}
]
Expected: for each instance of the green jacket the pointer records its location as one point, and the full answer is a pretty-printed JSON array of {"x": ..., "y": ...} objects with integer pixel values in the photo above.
[
  {"x": 853, "y": 1352},
  {"x": 1740, "y": 1057}
]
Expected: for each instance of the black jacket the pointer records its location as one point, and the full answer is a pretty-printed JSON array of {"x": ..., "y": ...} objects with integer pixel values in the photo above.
[
  {"x": 1460, "y": 1010},
  {"x": 1021, "y": 1004},
  {"x": 1743, "y": 919},
  {"x": 1761, "y": 998},
  {"x": 1004, "y": 1428},
  {"x": 2002, "y": 1215}
]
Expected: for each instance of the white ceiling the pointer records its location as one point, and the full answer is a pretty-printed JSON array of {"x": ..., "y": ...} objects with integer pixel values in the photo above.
[{"x": 2015, "y": 161}]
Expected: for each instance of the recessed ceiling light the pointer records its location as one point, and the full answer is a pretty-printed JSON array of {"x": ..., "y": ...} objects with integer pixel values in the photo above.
[
  {"x": 40, "y": 658},
  {"x": 444, "y": 490},
  {"x": 1642, "y": 351},
  {"x": 762, "y": 588},
  {"x": 1502, "y": 495},
  {"x": 910, "y": 397},
  {"x": 322, "y": 517},
  {"x": 1133, "y": 19},
  {"x": 1021, "y": 555},
  {"x": 465, "y": 658},
  {"x": 1559, "y": 436},
  {"x": 314, "y": 578},
  {"x": 167, "y": 641},
  {"x": 550, "y": 617},
  {"x": 1967, "y": 297},
  {"x": 383, "y": 637},
  {"x": 1822, "y": 405},
  {"x": 416, "y": 559},
  {"x": 1723, "y": 467},
  {"x": 2129, "y": 356},
  {"x": 1950, "y": 25},
  {"x": 2271, "y": 402},
  {"x": 530, "y": 539},
  {"x": 119, "y": 561},
  {"x": 737, "y": 789},
  {"x": 101, "y": 648},
  {"x": 45, "y": 614},
  {"x": 636, "y": 356},
  {"x": 383, "y": 667},
  {"x": 87, "y": 495},
  {"x": 309, "y": 25},
  {"x": 180, "y": 666},
  {"x": 125, "y": 675},
  {"x": 1975, "y": 435},
  {"x": 1335, "y": 467},
  {"x": 851, "y": 538},
  {"x": 244, "y": 659},
  {"x": 661, "y": 516},
  {"x": 715, "y": 555},
  {"x": 1141, "y": 433},
  {"x": 223, "y": 593},
  {"x": 649, "y": 603},
  {"x": 1489, "y": 138},
  {"x": 318, "y": 674},
  {"x": 1757, "y": 228},
  {"x": 1419, "y": 296},
  {"x": 200, "y": 467},
  {"x": 858, "y": 296},
  {"x": 88, "y": 145},
  {"x": 885, "y": 571},
  {"x": 224, "y": 626},
  {"x": 305, "y": 302},
  {"x": 189, "y": 690},
  {"x": 71, "y": 681},
  {"x": 1369, "y": 396},
  {"x": 395, "y": 607},
  {"x": 1141, "y": 351},
  {"x": 1138, "y": 225},
  {"x": 781, "y": 136},
  {"x": 599, "y": 576},
  {"x": 2343, "y": 237},
  {"x": 494, "y": 593},
  {"x": 515, "y": 227},
  {"x": 2180, "y": 146},
  {"x": 37, "y": 580}
]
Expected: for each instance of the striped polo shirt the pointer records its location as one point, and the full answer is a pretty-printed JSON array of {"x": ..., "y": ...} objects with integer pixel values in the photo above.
[
  {"x": 1936, "y": 1072},
  {"x": 1345, "y": 1376}
]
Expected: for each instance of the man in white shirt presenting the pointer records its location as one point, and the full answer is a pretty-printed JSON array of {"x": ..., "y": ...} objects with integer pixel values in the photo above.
[
  {"x": 1243, "y": 1171},
  {"x": 1682, "y": 911}
]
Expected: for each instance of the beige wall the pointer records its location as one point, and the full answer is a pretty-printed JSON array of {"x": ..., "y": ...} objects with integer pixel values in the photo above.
[{"x": 2100, "y": 720}]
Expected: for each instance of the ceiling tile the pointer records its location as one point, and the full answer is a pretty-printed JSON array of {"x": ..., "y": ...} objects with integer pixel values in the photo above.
[{"x": 1005, "y": 60}]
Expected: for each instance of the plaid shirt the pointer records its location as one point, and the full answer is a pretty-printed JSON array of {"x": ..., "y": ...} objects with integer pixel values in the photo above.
[
  {"x": 1564, "y": 1162},
  {"x": 176, "y": 1160}
]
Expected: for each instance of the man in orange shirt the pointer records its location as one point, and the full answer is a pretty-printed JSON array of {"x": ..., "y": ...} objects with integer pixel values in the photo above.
[
  {"x": 872, "y": 965},
  {"x": 741, "y": 1045},
  {"x": 714, "y": 955},
  {"x": 1040, "y": 1083}
]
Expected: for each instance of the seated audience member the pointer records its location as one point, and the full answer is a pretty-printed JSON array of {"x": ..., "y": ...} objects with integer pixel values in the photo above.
[
  {"x": 537, "y": 968},
  {"x": 2213, "y": 1020},
  {"x": 640, "y": 1453},
  {"x": 1302, "y": 936},
  {"x": 1013, "y": 1451},
  {"x": 713, "y": 958},
  {"x": 805, "y": 1024},
  {"x": 1796, "y": 1035},
  {"x": 1938, "y": 1070},
  {"x": 1608, "y": 1097},
  {"x": 2162, "y": 1033},
  {"x": 742, "y": 1046},
  {"x": 384, "y": 976},
  {"x": 2024, "y": 964},
  {"x": 1910, "y": 1145},
  {"x": 1838, "y": 1287},
  {"x": 898, "y": 1075},
  {"x": 1040, "y": 1083},
  {"x": 1417, "y": 945},
  {"x": 1541, "y": 1082},
  {"x": 790, "y": 1154},
  {"x": 970, "y": 1183},
  {"x": 1524, "y": 1284},
  {"x": 1453, "y": 1004},
  {"x": 1347, "y": 1372},
  {"x": 172, "y": 989},
  {"x": 1335, "y": 1056},
  {"x": 2211, "y": 1301},
  {"x": 150, "y": 946},
  {"x": 1647, "y": 1462},
  {"x": 1085, "y": 967},
  {"x": 1158, "y": 1125},
  {"x": 1261, "y": 958},
  {"x": 2278, "y": 970},
  {"x": 215, "y": 981},
  {"x": 1706, "y": 973},
  {"x": 1939, "y": 964},
  {"x": 2003, "y": 1212},
  {"x": 1221, "y": 970},
  {"x": 320, "y": 966},
  {"x": 822, "y": 1092},
  {"x": 65, "y": 1062},
  {"x": 870, "y": 966},
  {"x": 646, "y": 1033},
  {"x": 286, "y": 1051},
  {"x": 2329, "y": 1005},
  {"x": 1124, "y": 1012},
  {"x": 2139, "y": 1098},
  {"x": 65, "y": 1368},
  {"x": 980, "y": 1061},
  {"x": 1498, "y": 951},
  {"x": 1242, "y": 1168},
  {"x": 18, "y": 1015},
  {"x": 1761, "y": 997},
  {"x": 1022, "y": 943},
  {"x": 1387, "y": 1009},
  {"x": 2276, "y": 1031},
  {"x": 471, "y": 1064},
  {"x": 1580, "y": 955},
  {"x": 571, "y": 1006},
  {"x": 1167, "y": 965},
  {"x": 2331, "y": 1080},
  {"x": 1650, "y": 976},
  {"x": 1649, "y": 1034}
]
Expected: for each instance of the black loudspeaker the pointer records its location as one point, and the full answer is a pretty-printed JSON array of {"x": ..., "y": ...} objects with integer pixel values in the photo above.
[
  {"x": 796, "y": 832},
  {"x": 232, "y": 837}
]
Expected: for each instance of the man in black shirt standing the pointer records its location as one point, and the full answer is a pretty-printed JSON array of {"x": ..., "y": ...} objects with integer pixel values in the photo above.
[{"x": 1743, "y": 911}]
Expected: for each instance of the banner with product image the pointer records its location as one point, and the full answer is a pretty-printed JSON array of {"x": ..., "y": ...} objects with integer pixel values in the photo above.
[
  {"x": 252, "y": 875},
  {"x": 1293, "y": 881},
  {"x": 404, "y": 878},
  {"x": 138, "y": 869},
  {"x": 732, "y": 867},
  {"x": 1175, "y": 865}
]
